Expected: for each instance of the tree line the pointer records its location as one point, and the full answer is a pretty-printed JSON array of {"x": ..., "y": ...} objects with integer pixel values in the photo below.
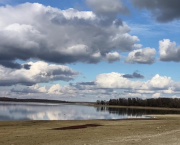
[
  {"x": 133, "y": 111},
  {"x": 152, "y": 102}
]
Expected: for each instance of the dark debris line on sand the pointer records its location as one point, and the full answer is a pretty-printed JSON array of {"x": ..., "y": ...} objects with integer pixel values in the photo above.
[{"x": 77, "y": 127}]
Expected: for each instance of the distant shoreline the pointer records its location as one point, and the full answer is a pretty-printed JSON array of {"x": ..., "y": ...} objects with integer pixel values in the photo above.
[{"x": 4, "y": 99}]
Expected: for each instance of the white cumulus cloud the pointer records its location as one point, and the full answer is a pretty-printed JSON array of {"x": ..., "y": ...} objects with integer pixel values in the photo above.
[
  {"x": 142, "y": 56},
  {"x": 169, "y": 51},
  {"x": 39, "y": 72},
  {"x": 34, "y": 31}
]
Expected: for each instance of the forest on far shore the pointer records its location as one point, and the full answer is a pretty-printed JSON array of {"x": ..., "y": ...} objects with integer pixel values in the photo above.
[{"x": 152, "y": 102}]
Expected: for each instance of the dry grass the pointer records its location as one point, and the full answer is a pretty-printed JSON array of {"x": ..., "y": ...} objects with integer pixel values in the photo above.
[{"x": 163, "y": 130}]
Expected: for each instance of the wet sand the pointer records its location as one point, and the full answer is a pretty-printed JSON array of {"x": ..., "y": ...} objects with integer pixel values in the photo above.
[{"x": 162, "y": 130}]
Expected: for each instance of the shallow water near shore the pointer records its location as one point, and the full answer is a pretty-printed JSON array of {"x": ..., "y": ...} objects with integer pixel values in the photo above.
[{"x": 10, "y": 111}]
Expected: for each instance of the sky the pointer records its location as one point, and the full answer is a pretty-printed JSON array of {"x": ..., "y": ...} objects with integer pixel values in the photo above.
[{"x": 88, "y": 50}]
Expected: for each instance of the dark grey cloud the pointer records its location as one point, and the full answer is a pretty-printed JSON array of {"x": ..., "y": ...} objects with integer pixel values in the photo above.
[
  {"x": 135, "y": 75},
  {"x": 10, "y": 64},
  {"x": 24, "y": 91},
  {"x": 108, "y": 10},
  {"x": 64, "y": 38},
  {"x": 57, "y": 71},
  {"x": 162, "y": 10},
  {"x": 14, "y": 65},
  {"x": 15, "y": 81},
  {"x": 87, "y": 83},
  {"x": 83, "y": 85},
  {"x": 26, "y": 66}
]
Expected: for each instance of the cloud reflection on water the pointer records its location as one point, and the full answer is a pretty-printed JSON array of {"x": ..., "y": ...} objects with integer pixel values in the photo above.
[
  {"x": 31, "y": 111},
  {"x": 40, "y": 111}
]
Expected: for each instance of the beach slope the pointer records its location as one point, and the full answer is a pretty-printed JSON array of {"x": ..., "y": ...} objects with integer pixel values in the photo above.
[{"x": 161, "y": 130}]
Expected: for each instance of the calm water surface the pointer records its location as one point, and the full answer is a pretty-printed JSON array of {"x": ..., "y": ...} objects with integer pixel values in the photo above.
[{"x": 39, "y": 111}]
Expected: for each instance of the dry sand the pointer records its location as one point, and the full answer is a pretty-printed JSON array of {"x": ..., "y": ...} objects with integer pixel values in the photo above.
[{"x": 162, "y": 130}]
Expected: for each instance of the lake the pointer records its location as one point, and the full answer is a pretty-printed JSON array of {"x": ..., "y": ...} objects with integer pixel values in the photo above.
[{"x": 41, "y": 111}]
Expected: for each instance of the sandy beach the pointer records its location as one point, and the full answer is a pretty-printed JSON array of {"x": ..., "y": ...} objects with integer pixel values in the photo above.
[{"x": 161, "y": 130}]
